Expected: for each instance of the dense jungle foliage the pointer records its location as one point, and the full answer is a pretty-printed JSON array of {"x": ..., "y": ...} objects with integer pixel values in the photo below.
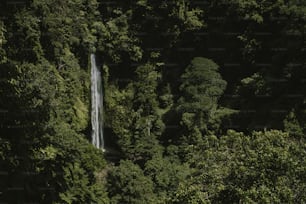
[{"x": 204, "y": 100}]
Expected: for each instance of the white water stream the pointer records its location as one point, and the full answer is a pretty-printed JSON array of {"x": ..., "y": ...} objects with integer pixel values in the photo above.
[{"x": 96, "y": 105}]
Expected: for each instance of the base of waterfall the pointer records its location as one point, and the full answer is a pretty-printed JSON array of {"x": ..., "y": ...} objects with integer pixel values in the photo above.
[{"x": 112, "y": 155}]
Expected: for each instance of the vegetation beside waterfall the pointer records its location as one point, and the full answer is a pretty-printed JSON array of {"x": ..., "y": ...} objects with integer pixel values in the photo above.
[{"x": 204, "y": 101}]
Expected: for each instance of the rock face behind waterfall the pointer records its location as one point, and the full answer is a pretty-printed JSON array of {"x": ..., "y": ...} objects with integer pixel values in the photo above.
[{"x": 96, "y": 105}]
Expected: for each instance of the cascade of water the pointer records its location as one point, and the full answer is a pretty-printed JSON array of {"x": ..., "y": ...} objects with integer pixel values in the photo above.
[{"x": 96, "y": 105}]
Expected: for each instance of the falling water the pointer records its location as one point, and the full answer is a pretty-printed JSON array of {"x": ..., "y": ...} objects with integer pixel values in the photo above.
[{"x": 96, "y": 105}]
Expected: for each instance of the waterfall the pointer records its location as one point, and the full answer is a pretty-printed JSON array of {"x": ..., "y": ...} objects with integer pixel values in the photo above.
[{"x": 96, "y": 105}]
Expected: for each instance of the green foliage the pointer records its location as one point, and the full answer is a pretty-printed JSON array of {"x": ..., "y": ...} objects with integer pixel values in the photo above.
[
  {"x": 264, "y": 167},
  {"x": 191, "y": 194},
  {"x": 115, "y": 38},
  {"x": 201, "y": 88},
  {"x": 166, "y": 111},
  {"x": 136, "y": 124},
  {"x": 145, "y": 89},
  {"x": 128, "y": 184},
  {"x": 166, "y": 174},
  {"x": 69, "y": 31},
  {"x": 292, "y": 125},
  {"x": 42, "y": 145},
  {"x": 166, "y": 98},
  {"x": 248, "y": 10}
]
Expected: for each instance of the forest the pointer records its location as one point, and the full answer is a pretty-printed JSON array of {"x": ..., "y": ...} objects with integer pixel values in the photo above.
[{"x": 204, "y": 101}]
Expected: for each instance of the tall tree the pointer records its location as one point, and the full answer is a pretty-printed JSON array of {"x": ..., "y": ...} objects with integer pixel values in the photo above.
[{"x": 201, "y": 88}]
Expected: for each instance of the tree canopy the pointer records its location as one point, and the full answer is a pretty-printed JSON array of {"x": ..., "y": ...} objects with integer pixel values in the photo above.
[{"x": 204, "y": 101}]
